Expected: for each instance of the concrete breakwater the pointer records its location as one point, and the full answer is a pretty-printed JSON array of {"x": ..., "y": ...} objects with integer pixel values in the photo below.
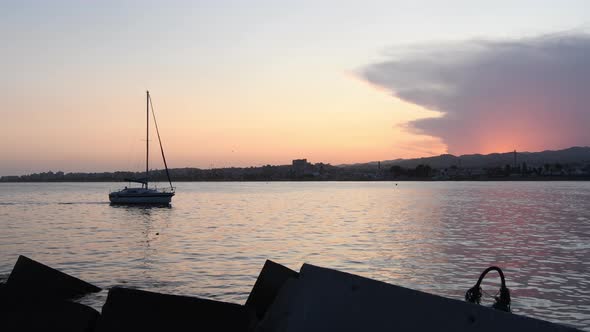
[{"x": 37, "y": 297}]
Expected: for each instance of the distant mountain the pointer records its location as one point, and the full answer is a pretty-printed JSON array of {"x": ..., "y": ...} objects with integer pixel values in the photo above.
[
  {"x": 573, "y": 155},
  {"x": 575, "y": 163}
]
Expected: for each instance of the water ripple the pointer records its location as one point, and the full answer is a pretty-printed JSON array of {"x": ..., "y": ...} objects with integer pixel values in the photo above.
[{"x": 436, "y": 237}]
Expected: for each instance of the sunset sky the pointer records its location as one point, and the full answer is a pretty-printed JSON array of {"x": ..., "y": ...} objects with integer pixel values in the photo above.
[{"x": 248, "y": 83}]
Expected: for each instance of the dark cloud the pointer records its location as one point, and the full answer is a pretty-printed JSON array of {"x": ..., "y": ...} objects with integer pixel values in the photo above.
[{"x": 526, "y": 94}]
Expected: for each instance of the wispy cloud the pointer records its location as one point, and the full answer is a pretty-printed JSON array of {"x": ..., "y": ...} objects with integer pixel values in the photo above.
[{"x": 529, "y": 93}]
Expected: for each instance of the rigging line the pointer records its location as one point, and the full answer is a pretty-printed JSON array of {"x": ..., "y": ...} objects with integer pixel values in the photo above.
[{"x": 159, "y": 140}]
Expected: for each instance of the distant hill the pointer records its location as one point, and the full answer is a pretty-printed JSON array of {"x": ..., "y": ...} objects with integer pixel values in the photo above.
[
  {"x": 573, "y": 162},
  {"x": 573, "y": 155}
]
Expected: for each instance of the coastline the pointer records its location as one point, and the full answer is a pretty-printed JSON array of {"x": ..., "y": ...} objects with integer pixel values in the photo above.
[{"x": 496, "y": 179}]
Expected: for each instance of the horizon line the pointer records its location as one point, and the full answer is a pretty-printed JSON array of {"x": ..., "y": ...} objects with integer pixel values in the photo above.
[{"x": 320, "y": 162}]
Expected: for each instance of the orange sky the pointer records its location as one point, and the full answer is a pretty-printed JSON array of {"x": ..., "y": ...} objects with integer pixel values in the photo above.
[{"x": 346, "y": 122}]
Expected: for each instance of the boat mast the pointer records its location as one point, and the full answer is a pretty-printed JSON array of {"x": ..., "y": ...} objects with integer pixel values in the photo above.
[
  {"x": 161, "y": 147},
  {"x": 147, "y": 137}
]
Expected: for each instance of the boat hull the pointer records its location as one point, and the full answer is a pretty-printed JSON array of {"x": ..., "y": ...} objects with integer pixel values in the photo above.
[{"x": 142, "y": 199}]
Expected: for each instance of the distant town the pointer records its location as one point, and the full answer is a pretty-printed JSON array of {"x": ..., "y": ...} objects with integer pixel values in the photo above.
[{"x": 567, "y": 164}]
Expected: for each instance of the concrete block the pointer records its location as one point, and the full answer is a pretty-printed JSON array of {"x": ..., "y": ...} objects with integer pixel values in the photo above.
[
  {"x": 329, "y": 300},
  {"x": 25, "y": 314},
  {"x": 267, "y": 286},
  {"x": 33, "y": 279},
  {"x": 136, "y": 310},
  {"x": 277, "y": 316}
]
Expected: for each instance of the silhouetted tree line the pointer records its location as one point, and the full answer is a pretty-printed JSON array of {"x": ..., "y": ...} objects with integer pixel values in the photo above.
[
  {"x": 320, "y": 172},
  {"x": 421, "y": 171}
]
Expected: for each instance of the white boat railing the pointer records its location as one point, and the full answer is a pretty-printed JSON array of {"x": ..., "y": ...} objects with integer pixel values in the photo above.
[
  {"x": 163, "y": 190},
  {"x": 167, "y": 189}
]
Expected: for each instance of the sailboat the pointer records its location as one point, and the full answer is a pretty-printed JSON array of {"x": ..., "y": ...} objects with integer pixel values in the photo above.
[{"x": 145, "y": 194}]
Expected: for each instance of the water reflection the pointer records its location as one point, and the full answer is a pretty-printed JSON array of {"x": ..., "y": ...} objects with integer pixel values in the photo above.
[{"x": 436, "y": 237}]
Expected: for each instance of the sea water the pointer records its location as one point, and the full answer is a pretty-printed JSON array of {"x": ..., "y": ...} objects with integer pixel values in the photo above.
[{"x": 212, "y": 242}]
